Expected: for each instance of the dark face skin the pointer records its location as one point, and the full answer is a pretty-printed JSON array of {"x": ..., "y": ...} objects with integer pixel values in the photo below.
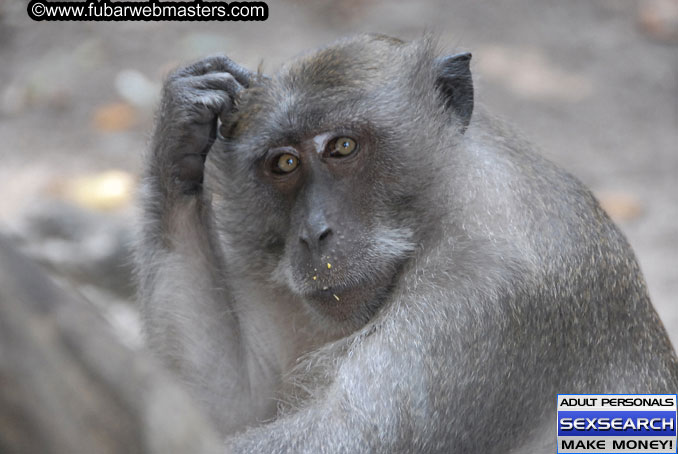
[
  {"x": 321, "y": 178},
  {"x": 327, "y": 209}
]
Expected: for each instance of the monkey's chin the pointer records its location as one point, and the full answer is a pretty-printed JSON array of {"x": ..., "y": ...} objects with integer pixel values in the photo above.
[{"x": 354, "y": 305}]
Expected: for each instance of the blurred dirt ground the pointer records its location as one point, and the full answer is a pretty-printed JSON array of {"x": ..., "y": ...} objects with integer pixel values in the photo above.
[{"x": 593, "y": 83}]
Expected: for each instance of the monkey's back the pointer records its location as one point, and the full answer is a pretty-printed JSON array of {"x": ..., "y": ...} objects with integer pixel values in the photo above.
[{"x": 587, "y": 297}]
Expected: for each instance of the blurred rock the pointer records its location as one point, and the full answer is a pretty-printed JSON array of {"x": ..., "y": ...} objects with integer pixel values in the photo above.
[
  {"x": 337, "y": 12},
  {"x": 137, "y": 89},
  {"x": 659, "y": 19},
  {"x": 14, "y": 99},
  {"x": 104, "y": 191},
  {"x": 529, "y": 73},
  {"x": 82, "y": 246},
  {"x": 89, "y": 54},
  {"x": 123, "y": 317},
  {"x": 203, "y": 44},
  {"x": 20, "y": 95},
  {"x": 621, "y": 206},
  {"x": 118, "y": 116}
]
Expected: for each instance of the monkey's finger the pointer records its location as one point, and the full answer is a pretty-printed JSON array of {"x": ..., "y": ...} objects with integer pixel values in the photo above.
[
  {"x": 216, "y": 81},
  {"x": 203, "y": 107},
  {"x": 205, "y": 97},
  {"x": 224, "y": 108},
  {"x": 220, "y": 64}
]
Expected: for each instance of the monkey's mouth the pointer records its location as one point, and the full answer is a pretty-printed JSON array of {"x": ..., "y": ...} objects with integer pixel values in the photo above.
[
  {"x": 329, "y": 295},
  {"x": 355, "y": 301},
  {"x": 348, "y": 304},
  {"x": 340, "y": 303},
  {"x": 342, "y": 289}
]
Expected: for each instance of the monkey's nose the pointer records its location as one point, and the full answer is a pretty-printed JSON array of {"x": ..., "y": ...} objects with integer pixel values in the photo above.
[{"x": 314, "y": 236}]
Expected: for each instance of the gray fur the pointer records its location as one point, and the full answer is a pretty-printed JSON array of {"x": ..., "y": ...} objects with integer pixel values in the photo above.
[{"x": 488, "y": 280}]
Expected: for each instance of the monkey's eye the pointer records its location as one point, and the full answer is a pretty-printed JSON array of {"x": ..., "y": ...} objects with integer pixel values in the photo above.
[
  {"x": 342, "y": 146},
  {"x": 285, "y": 163}
]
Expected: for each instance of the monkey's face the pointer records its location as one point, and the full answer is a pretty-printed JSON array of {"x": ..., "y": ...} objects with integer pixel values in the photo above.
[
  {"x": 325, "y": 170},
  {"x": 341, "y": 250},
  {"x": 327, "y": 222}
]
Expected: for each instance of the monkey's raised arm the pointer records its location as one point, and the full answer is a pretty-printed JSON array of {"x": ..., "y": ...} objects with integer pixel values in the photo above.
[
  {"x": 180, "y": 259},
  {"x": 178, "y": 222}
]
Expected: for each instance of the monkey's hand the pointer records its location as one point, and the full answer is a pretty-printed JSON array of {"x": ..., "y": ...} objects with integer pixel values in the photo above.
[
  {"x": 177, "y": 218},
  {"x": 193, "y": 99}
]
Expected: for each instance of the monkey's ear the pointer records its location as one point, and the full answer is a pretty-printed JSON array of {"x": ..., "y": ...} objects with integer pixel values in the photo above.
[{"x": 456, "y": 85}]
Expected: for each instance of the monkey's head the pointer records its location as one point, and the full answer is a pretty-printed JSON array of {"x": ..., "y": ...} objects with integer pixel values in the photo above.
[{"x": 323, "y": 180}]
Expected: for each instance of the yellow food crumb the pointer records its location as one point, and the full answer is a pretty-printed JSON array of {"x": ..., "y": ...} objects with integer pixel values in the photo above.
[
  {"x": 329, "y": 265},
  {"x": 315, "y": 278},
  {"x": 335, "y": 296}
]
